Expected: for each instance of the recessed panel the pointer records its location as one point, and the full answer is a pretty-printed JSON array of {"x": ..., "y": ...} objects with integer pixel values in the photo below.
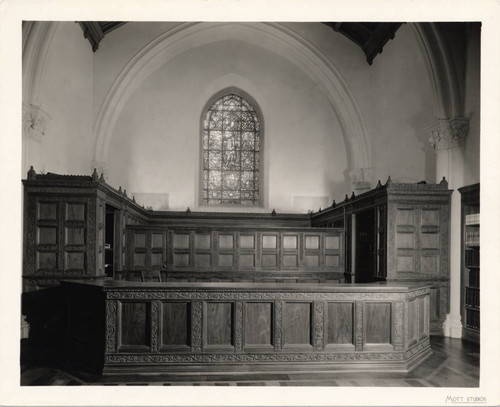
[
  {"x": 75, "y": 261},
  {"x": 176, "y": 323},
  {"x": 226, "y": 242},
  {"x": 47, "y": 211},
  {"x": 312, "y": 242},
  {"x": 269, "y": 260},
  {"x": 412, "y": 320},
  {"x": 247, "y": 260},
  {"x": 139, "y": 259},
  {"x": 269, "y": 242},
  {"x": 405, "y": 263},
  {"x": 332, "y": 242},
  {"x": 225, "y": 260},
  {"x": 181, "y": 260},
  {"x": 429, "y": 241},
  {"x": 405, "y": 217},
  {"x": 247, "y": 242},
  {"x": 202, "y": 260},
  {"x": 378, "y": 322},
  {"x": 340, "y": 322},
  {"x": 75, "y": 236},
  {"x": 289, "y": 242},
  {"x": 181, "y": 241},
  {"x": 46, "y": 260},
  {"x": 134, "y": 324},
  {"x": 429, "y": 264},
  {"x": 405, "y": 240},
  {"x": 140, "y": 240},
  {"x": 258, "y": 323},
  {"x": 297, "y": 323},
  {"x": 75, "y": 211},
  {"x": 157, "y": 240},
  {"x": 430, "y": 217},
  {"x": 157, "y": 259},
  {"x": 421, "y": 316},
  {"x": 47, "y": 236},
  {"x": 312, "y": 261},
  {"x": 202, "y": 242},
  {"x": 332, "y": 261},
  {"x": 290, "y": 260},
  {"x": 219, "y": 323}
]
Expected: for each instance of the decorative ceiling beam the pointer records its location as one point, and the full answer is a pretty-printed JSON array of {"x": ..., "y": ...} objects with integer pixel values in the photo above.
[{"x": 95, "y": 31}]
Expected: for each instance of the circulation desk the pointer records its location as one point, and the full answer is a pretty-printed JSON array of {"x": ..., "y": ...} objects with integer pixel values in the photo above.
[{"x": 251, "y": 327}]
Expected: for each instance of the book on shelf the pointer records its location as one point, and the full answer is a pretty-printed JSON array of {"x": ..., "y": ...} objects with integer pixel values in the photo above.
[
  {"x": 472, "y": 219},
  {"x": 472, "y": 258},
  {"x": 472, "y": 237}
]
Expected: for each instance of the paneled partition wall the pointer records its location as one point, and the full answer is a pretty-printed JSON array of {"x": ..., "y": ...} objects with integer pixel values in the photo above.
[{"x": 241, "y": 254}]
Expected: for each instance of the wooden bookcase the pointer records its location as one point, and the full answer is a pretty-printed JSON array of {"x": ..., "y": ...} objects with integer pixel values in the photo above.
[{"x": 470, "y": 262}]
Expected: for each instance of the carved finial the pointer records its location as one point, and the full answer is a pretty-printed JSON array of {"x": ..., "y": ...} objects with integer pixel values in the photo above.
[
  {"x": 346, "y": 198},
  {"x": 31, "y": 173},
  {"x": 95, "y": 176},
  {"x": 444, "y": 182},
  {"x": 334, "y": 203},
  {"x": 133, "y": 198},
  {"x": 120, "y": 189},
  {"x": 273, "y": 213},
  {"x": 101, "y": 178},
  {"x": 389, "y": 181},
  {"x": 379, "y": 185},
  {"x": 319, "y": 210},
  {"x": 124, "y": 192},
  {"x": 188, "y": 211}
]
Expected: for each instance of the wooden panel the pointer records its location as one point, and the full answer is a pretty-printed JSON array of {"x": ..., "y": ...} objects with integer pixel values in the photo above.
[
  {"x": 421, "y": 316},
  {"x": 297, "y": 323},
  {"x": 269, "y": 242},
  {"x": 157, "y": 240},
  {"x": 226, "y": 260},
  {"x": 258, "y": 323},
  {"x": 412, "y": 320},
  {"x": 46, "y": 260},
  {"x": 405, "y": 240},
  {"x": 75, "y": 236},
  {"x": 405, "y": 263},
  {"x": 332, "y": 243},
  {"x": 289, "y": 242},
  {"x": 181, "y": 260},
  {"x": 429, "y": 241},
  {"x": 430, "y": 217},
  {"x": 176, "y": 323},
  {"x": 247, "y": 260},
  {"x": 134, "y": 324},
  {"x": 139, "y": 259},
  {"x": 269, "y": 260},
  {"x": 339, "y": 323},
  {"x": 290, "y": 260},
  {"x": 429, "y": 264},
  {"x": 202, "y": 260},
  {"x": 378, "y": 322},
  {"x": 226, "y": 242},
  {"x": 181, "y": 241},
  {"x": 312, "y": 261},
  {"x": 75, "y": 211},
  {"x": 247, "y": 242},
  {"x": 219, "y": 323},
  {"x": 405, "y": 217},
  {"x": 75, "y": 261},
  {"x": 140, "y": 240},
  {"x": 47, "y": 211},
  {"x": 157, "y": 259},
  {"x": 312, "y": 242},
  {"x": 47, "y": 236},
  {"x": 202, "y": 242},
  {"x": 434, "y": 304},
  {"x": 332, "y": 261}
]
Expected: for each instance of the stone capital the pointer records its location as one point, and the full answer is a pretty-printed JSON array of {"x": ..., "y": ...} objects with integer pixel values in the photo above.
[
  {"x": 361, "y": 179},
  {"x": 35, "y": 122},
  {"x": 447, "y": 134}
]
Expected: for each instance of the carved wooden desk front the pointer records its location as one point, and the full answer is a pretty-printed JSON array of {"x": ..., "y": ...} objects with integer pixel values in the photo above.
[{"x": 229, "y": 327}]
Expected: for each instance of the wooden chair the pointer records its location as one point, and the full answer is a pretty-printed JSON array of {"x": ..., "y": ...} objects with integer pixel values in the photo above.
[{"x": 151, "y": 275}]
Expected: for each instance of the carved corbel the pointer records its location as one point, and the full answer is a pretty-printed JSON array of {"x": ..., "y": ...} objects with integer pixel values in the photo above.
[
  {"x": 35, "y": 122},
  {"x": 447, "y": 134}
]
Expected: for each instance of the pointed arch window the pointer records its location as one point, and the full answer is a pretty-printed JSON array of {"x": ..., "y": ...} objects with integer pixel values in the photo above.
[{"x": 231, "y": 144}]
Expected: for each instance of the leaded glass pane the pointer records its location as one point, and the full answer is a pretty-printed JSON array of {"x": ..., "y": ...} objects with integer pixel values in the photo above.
[{"x": 230, "y": 153}]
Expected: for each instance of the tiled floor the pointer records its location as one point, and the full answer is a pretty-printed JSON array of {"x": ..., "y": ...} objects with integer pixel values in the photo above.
[{"x": 454, "y": 363}]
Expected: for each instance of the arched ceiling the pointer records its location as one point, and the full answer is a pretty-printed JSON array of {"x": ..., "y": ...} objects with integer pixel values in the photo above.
[{"x": 370, "y": 37}]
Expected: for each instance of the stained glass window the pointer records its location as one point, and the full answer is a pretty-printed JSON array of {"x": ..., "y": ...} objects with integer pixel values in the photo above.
[{"x": 231, "y": 153}]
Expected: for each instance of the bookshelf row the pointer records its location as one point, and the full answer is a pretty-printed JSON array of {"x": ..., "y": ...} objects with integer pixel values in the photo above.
[
  {"x": 472, "y": 236},
  {"x": 471, "y": 258},
  {"x": 472, "y": 319},
  {"x": 472, "y": 297}
]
